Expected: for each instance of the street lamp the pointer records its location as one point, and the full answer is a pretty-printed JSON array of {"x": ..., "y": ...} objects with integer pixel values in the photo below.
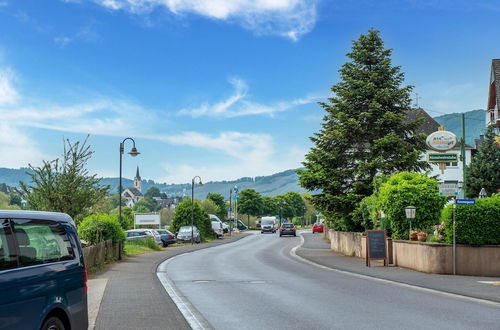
[
  {"x": 410, "y": 214},
  {"x": 133, "y": 152},
  {"x": 192, "y": 206}
]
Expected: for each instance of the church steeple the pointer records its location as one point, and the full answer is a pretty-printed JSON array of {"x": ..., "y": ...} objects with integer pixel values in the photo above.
[{"x": 137, "y": 180}]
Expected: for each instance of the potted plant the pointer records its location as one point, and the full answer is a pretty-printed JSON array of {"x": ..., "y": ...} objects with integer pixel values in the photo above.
[
  {"x": 422, "y": 236},
  {"x": 413, "y": 236}
]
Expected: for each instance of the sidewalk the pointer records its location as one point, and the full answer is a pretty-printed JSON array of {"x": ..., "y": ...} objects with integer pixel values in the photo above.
[
  {"x": 128, "y": 294},
  {"x": 317, "y": 249}
]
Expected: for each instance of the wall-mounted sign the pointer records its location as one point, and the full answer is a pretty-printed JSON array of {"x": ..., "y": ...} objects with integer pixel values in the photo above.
[
  {"x": 441, "y": 140},
  {"x": 147, "y": 219},
  {"x": 438, "y": 158}
]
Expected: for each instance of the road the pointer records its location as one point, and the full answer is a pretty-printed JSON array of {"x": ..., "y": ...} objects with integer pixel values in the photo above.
[{"x": 255, "y": 283}]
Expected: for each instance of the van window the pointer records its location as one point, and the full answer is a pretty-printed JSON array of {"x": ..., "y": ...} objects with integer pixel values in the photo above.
[
  {"x": 41, "y": 241},
  {"x": 7, "y": 260}
]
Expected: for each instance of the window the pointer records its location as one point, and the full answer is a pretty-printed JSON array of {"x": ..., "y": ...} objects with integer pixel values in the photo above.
[
  {"x": 41, "y": 241},
  {"x": 7, "y": 259},
  {"x": 452, "y": 164}
]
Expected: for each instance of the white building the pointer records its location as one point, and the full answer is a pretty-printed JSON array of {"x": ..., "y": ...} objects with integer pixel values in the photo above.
[{"x": 493, "y": 113}]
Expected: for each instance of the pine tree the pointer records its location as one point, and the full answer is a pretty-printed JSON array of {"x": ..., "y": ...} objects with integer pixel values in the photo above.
[
  {"x": 484, "y": 169},
  {"x": 364, "y": 133}
]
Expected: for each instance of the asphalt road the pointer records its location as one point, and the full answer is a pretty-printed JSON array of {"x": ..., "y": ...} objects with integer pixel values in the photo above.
[{"x": 254, "y": 283}]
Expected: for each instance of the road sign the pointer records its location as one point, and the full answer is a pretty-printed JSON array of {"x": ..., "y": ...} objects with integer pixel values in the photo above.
[
  {"x": 465, "y": 201},
  {"x": 448, "y": 189},
  {"x": 230, "y": 209},
  {"x": 444, "y": 158}
]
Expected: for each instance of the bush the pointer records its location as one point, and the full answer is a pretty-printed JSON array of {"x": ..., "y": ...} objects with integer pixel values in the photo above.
[
  {"x": 477, "y": 224},
  {"x": 101, "y": 227},
  {"x": 201, "y": 220},
  {"x": 148, "y": 242},
  {"x": 404, "y": 189}
]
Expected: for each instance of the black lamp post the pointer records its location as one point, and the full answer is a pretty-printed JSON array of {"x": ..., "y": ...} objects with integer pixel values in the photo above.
[
  {"x": 192, "y": 206},
  {"x": 133, "y": 152}
]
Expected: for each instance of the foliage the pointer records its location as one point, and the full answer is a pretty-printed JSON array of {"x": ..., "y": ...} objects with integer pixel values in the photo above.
[
  {"x": 140, "y": 246},
  {"x": 145, "y": 205},
  {"x": 201, "y": 220},
  {"x": 64, "y": 185},
  {"x": 15, "y": 199},
  {"x": 415, "y": 189},
  {"x": 310, "y": 214},
  {"x": 269, "y": 205},
  {"x": 209, "y": 206},
  {"x": 477, "y": 224},
  {"x": 152, "y": 192},
  {"x": 218, "y": 199},
  {"x": 5, "y": 202},
  {"x": 250, "y": 203},
  {"x": 364, "y": 133},
  {"x": 295, "y": 200},
  {"x": 483, "y": 171},
  {"x": 101, "y": 227},
  {"x": 127, "y": 221},
  {"x": 285, "y": 208},
  {"x": 166, "y": 216},
  {"x": 368, "y": 213}
]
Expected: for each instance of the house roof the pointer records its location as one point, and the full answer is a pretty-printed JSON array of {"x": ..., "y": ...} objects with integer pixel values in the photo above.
[
  {"x": 429, "y": 126},
  {"x": 133, "y": 191},
  {"x": 495, "y": 72}
]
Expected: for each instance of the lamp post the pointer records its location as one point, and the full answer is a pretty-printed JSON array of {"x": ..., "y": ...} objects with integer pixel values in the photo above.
[
  {"x": 410, "y": 214},
  {"x": 192, "y": 206},
  {"x": 133, "y": 152}
]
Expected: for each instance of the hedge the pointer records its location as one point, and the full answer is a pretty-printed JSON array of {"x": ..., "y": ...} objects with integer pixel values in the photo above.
[
  {"x": 477, "y": 224},
  {"x": 101, "y": 227}
]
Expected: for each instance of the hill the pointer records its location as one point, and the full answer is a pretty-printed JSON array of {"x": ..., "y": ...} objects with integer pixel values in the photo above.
[{"x": 475, "y": 122}]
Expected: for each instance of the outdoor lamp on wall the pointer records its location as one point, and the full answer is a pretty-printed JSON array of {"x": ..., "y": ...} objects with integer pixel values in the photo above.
[
  {"x": 410, "y": 213},
  {"x": 482, "y": 193}
]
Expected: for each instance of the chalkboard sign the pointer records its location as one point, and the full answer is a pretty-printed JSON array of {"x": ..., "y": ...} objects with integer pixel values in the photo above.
[{"x": 376, "y": 246}]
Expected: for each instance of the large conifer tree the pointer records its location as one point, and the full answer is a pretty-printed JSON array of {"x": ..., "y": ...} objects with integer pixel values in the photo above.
[
  {"x": 364, "y": 133},
  {"x": 484, "y": 169}
]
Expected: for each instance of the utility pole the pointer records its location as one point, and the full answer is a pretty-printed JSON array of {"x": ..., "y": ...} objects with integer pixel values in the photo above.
[{"x": 462, "y": 152}]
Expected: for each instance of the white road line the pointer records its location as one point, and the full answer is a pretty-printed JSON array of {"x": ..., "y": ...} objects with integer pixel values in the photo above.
[
  {"x": 193, "y": 317},
  {"x": 381, "y": 280}
]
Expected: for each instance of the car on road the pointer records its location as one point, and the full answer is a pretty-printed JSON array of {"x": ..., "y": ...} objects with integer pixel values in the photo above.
[
  {"x": 317, "y": 227},
  {"x": 268, "y": 225},
  {"x": 184, "y": 234},
  {"x": 43, "y": 278},
  {"x": 134, "y": 234},
  {"x": 288, "y": 229},
  {"x": 166, "y": 237}
]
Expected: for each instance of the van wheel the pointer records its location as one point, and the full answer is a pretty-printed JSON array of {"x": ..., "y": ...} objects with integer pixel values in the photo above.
[{"x": 53, "y": 323}]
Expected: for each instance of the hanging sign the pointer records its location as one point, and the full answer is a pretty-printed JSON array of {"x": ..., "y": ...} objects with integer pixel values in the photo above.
[
  {"x": 438, "y": 158},
  {"x": 441, "y": 141}
]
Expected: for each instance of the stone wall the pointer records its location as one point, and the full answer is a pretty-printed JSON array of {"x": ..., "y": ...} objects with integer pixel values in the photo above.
[{"x": 101, "y": 253}]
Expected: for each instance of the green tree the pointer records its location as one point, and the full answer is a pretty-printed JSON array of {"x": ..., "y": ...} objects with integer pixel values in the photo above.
[
  {"x": 5, "y": 203},
  {"x": 484, "y": 169},
  {"x": 209, "y": 206},
  {"x": 65, "y": 185},
  {"x": 218, "y": 199},
  {"x": 297, "y": 203},
  {"x": 269, "y": 206},
  {"x": 285, "y": 208},
  {"x": 250, "y": 203},
  {"x": 101, "y": 227},
  {"x": 15, "y": 199},
  {"x": 310, "y": 214},
  {"x": 145, "y": 205},
  {"x": 127, "y": 218},
  {"x": 153, "y": 192},
  {"x": 364, "y": 133},
  {"x": 182, "y": 217}
]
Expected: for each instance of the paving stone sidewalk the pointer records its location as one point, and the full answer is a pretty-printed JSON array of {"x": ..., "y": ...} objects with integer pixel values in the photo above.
[{"x": 317, "y": 249}]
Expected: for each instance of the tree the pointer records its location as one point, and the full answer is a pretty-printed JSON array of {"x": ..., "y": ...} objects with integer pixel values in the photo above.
[
  {"x": 250, "y": 203},
  {"x": 201, "y": 220},
  {"x": 5, "y": 203},
  {"x": 484, "y": 170},
  {"x": 65, "y": 185},
  {"x": 152, "y": 192},
  {"x": 296, "y": 202},
  {"x": 285, "y": 208},
  {"x": 364, "y": 133},
  {"x": 218, "y": 199},
  {"x": 15, "y": 199},
  {"x": 269, "y": 206},
  {"x": 209, "y": 206},
  {"x": 145, "y": 205}
]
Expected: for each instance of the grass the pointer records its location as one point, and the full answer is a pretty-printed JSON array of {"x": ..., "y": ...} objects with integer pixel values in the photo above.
[{"x": 140, "y": 246}]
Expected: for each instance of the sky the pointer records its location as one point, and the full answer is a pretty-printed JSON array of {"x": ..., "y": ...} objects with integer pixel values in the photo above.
[{"x": 220, "y": 89}]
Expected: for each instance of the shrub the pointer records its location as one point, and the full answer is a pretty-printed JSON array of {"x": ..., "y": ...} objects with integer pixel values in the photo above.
[
  {"x": 101, "y": 227},
  {"x": 148, "y": 242},
  {"x": 476, "y": 224},
  {"x": 201, "y": 220},
  {"x": 404, "y": 189}
]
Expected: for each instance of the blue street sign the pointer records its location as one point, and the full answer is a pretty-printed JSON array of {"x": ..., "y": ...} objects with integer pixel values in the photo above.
[
  {"x": 230, "y": 209},
  {"x": 465, "y": 201}
]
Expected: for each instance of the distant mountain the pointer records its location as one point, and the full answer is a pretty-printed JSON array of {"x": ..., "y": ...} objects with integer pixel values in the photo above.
[
  {"x": 271, "y": 185},
  {"x": 475, "y": 124}
]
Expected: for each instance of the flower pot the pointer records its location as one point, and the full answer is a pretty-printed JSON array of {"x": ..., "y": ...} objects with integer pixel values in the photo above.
[
  {"x": 422, "y": 237},
  {"x": 413, "y": 236}
]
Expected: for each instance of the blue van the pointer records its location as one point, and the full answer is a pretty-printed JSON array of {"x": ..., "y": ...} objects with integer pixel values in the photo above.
[{"x": 43, "y": 280}]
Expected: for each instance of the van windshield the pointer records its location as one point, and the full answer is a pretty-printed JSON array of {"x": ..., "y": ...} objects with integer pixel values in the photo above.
[{"x": 267, "y": 222}]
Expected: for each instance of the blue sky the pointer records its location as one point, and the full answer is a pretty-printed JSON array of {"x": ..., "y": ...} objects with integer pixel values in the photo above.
[{"x": 217, "y": 88}]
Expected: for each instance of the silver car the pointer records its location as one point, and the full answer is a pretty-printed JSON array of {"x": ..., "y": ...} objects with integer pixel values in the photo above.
[
  {"x": 133, "y": 234},
  {"x": 184, "y": 234}
]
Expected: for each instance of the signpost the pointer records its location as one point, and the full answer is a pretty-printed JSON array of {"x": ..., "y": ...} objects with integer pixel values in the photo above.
[
  {"x": 465, "y": 201},
  {"x": 376, "y": 248}
]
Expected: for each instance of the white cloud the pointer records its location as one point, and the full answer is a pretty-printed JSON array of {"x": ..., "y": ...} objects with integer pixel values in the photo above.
[
  {"x": 237, "y": 104},
  {"x": 17, "y": 149},
  {"x": 8, "y": 95},
  {"x": 287, "y": 18},
  {"x": 62, "y": 41}
]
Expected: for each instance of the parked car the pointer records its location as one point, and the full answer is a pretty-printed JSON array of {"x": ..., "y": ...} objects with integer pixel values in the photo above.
[
  {"x": 217, "y": 228},
  {"x": 288, "y": 229},
  {"x": 43, "y": 279},
  {"x": 143, "y": 234},
  {"x": 317, "y": 227},
  {"x": 184, "y": 234},
  {"x": 240, "y": 225},
  {"x": 166, "y": 237},
  {"x": 225, "y": 227}
]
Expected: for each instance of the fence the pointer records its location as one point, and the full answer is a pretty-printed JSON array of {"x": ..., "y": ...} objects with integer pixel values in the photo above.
[{"x": 102, "y": 252}]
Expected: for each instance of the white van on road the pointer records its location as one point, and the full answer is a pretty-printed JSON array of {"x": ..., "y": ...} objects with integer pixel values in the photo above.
[{"x": 217, "y": 225}]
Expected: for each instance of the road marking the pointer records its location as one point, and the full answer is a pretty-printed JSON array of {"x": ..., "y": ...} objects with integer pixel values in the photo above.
[
  {"x": 193, "y": 317},
  {"x": 489, "y": 282},
  {"x": 381, "y": 280}
]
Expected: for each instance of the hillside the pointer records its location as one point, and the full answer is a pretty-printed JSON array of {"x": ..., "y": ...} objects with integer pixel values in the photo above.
[{"x": 475, "y": 122}]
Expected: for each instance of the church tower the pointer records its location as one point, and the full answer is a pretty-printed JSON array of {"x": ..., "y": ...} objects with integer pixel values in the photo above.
[{"x": 137, "y": 180}]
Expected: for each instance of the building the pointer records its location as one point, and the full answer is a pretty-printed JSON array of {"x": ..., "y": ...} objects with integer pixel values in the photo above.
[
  {"x": 133, "y": 194},
  {"x": 493, "y": 113}
]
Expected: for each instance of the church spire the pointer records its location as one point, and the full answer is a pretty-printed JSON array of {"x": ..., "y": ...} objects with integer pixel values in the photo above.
[
  {"x": 137, "y": 180},
  {"x": 137, "y": 176}
]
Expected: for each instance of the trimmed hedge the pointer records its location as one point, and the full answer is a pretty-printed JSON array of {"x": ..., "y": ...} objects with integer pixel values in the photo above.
[
  {"x": 477, "y": 224},
  {"x": 101, "y": 227},
  {"x": 405, "y": 189}
]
